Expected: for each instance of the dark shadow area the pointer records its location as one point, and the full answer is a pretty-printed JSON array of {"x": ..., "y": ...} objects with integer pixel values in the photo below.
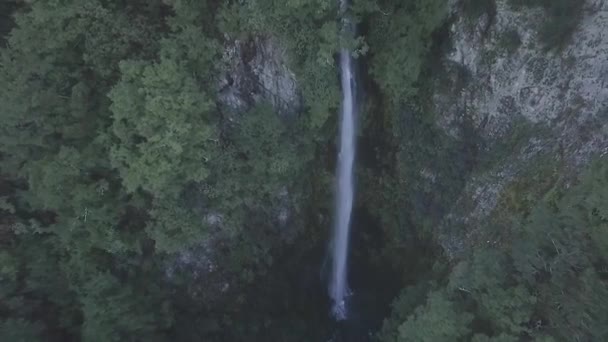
[
  {"x": 7, "y": 8},
  {"x": 373, "y": 286}
]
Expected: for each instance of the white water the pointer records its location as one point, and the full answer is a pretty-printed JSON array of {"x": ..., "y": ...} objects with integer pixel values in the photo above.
[{"x": 338, "y": 287}]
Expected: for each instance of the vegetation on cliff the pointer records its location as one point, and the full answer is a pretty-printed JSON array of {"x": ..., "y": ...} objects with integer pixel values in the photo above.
[{"x": 134, "y": 207}]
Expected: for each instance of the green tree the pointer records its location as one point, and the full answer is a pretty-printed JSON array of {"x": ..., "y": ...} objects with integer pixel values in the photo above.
[
  {"x": 486, "y": 278},
  {"x": 438, "y": 320},
  {"x": 404, "y": 305},
  {"x": 114, "y": 312},
  {"x": 57, "y": 68},
  {"x": 400, "y": 40},
  {"x": 161, "y": 120}
]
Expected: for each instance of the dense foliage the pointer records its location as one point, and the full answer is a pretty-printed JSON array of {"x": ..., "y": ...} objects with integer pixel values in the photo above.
[
  {"x": 117, "y": 164},
  {"x": 135, "y": 207},
  {"x": 547, "y": 284}
]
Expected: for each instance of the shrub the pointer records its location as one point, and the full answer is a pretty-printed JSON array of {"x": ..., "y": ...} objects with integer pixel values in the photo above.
[
  {"x": 476, "y": 8},
  {"x": 562, "y": 19},
  {"x": 510, "y": 41}
]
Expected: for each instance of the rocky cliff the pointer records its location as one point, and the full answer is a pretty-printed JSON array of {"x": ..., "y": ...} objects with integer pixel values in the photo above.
[
  {"x": 540, "y": 113},
  {"x": 255, "y": 70}
]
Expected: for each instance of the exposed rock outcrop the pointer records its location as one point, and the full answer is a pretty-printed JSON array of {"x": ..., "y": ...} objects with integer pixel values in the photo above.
[
  {"x": 257, "y": 70},
  {"x": 562, "y": 94}
]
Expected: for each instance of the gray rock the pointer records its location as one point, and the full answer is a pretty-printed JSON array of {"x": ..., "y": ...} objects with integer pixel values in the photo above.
[
  {"x": 565, "y": 92},
  {"x": 256, "y": 70}
]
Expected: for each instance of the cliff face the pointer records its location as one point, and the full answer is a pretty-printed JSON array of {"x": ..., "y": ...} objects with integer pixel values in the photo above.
[
  {"x": 539, "y": 113},
  {"x": 256, "y": 70}
]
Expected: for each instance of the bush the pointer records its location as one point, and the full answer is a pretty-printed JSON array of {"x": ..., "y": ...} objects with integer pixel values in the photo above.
[
  {"x": 510, "y": 41},
  {"x": 562, "y": 19},
  {"x": 564, "y": 16},
  {"x": 476, "y": 8}
]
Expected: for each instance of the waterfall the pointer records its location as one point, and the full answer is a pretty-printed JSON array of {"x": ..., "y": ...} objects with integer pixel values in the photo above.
[{"x": 338, "y": 287}]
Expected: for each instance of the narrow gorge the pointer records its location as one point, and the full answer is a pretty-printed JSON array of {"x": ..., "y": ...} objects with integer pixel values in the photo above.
[{"x": 304, "y": 170}]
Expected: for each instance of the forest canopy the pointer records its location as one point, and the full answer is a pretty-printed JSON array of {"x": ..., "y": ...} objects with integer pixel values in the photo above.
[{"x": 134, "y": 206}]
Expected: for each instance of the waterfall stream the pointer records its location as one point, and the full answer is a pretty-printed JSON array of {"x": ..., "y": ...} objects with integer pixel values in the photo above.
[{"x": 338, "y": 287}]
